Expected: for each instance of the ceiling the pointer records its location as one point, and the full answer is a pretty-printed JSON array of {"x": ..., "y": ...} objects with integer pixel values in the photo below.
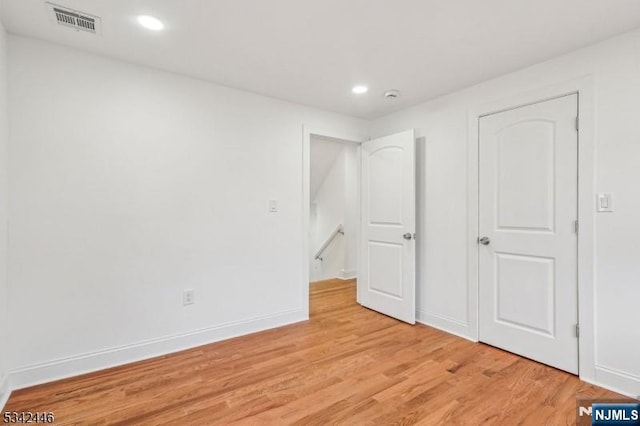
[{"x": 313, "y": 51}]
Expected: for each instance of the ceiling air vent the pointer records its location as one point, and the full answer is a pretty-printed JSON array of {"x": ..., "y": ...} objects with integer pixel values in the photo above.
[{"x": 74, "y": 19}]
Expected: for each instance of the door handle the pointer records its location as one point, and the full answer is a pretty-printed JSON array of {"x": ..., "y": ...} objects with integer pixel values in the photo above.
[
  {"x": 408, "y": 236},
  {"x": 485, "y": 241}
]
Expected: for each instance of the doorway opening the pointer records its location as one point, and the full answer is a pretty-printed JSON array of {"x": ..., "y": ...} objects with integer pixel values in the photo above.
[
  {"x": 376, "y": 229},
  {"x": 334, "y": 221}
]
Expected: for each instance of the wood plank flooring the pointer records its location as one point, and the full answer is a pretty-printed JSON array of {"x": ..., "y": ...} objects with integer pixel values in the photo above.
[{"x": 347, "y": 365}]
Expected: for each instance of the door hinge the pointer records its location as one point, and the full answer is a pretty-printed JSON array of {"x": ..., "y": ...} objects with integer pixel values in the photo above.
[
  {"x": 577, "y": 124},
  {"x": 576, "y": 226},
  {"x": 577, "y": 330}
]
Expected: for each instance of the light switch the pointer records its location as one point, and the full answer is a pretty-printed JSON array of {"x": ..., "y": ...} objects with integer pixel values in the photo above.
[
  {"x": 605, "y": 202},
  {"x": 273, "y": 206}
]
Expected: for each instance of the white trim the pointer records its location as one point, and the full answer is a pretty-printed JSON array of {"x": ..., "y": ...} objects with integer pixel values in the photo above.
[
  {"x": 5, "y": 392},
  {"x": 585, "y": 88},
  {"x": 335, "y": 134},
  {"x": 446, "y": 324},
  {"x": 359, "y": 289},
  {"x": 89, "y": 362},
  {"x": 348, "y": 274},
  {"x": 618, "y": 381}
]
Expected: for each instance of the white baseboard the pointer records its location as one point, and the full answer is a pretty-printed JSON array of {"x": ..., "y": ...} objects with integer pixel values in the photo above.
[
  {"x": 5, "y": 392},
  {"x": 86, "y": 363},
  {"x": 617, "y": 381},
  {"x": 347, "y": 274},
  {"x": 448, "y": 325}
]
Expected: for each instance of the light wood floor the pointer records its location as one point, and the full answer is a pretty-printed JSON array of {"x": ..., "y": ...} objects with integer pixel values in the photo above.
[{"x": 347, "y": 365}]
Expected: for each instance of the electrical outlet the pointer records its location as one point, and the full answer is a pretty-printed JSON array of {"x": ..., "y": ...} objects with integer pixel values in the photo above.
[{"x": 188, "y": 297}]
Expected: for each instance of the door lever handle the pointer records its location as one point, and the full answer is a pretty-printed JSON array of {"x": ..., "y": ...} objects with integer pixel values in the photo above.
[{"x": 408, "y": 236}]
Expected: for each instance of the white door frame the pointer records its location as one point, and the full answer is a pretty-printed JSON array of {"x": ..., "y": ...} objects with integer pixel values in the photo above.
[
  {"x": 584, "y": 87},
  {"x": 342, "y": 136}
]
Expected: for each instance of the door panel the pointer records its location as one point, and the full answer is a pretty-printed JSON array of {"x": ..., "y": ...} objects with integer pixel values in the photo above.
[
  {"x": 525, "y": 292},
  {"x": 528, "y": 207},
  {"x": 526, "y": 176},
  {"x": 385, "y": 181},
  {"x": 387, "y": 270}
]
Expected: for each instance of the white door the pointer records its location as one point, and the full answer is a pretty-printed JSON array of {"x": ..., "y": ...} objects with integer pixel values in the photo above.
[
  {"x": 387, "y": 250},
  {"x": 528, "y": 212}
]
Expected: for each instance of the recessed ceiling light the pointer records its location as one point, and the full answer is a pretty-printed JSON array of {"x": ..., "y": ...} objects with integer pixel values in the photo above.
[
  {"x": 359, "y": 90},
  {"x": 150, "y": 23}
]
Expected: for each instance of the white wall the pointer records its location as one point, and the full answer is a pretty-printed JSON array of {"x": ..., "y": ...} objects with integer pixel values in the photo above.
[
  {"x": 323, "y": 153},
  {"x": 129, "y": 185},
  {"x": 4, "y": 140},
  {"x": 442, "y": 127},
  {"x": 335, "y": 203}
]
